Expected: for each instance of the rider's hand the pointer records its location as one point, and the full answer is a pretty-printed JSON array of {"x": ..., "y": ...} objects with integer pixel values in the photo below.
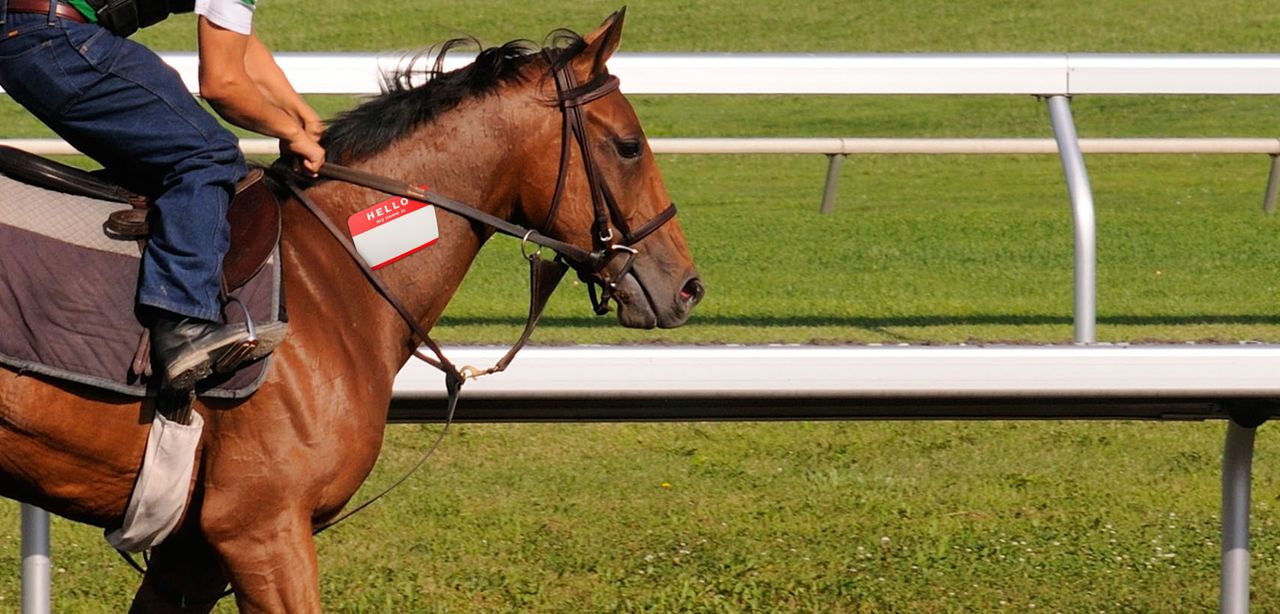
[{"x": 306, "y": 148}]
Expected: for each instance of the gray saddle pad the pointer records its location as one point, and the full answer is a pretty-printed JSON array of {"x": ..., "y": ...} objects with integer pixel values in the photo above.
[{"x": 67, "y": 295}]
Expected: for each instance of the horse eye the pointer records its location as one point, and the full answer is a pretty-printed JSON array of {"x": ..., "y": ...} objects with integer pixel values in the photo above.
[{"x": 629, "y": 148}]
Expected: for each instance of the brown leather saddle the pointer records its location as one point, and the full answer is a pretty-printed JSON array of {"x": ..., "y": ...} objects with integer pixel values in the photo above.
[{"x": 254, "y": 214}]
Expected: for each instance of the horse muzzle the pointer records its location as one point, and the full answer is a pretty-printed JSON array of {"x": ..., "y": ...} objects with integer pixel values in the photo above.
[{"x": 644, "y": 306}]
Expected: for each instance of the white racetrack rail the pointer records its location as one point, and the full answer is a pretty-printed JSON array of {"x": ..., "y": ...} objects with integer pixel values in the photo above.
[{"x": 803, "y": 382}]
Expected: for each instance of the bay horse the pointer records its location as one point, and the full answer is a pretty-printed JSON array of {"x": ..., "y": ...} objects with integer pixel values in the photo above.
[{"x": 286, "y": 460}]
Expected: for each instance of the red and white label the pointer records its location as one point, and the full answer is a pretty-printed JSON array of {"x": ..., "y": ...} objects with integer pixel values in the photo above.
[{"x": 393, "y": 229}]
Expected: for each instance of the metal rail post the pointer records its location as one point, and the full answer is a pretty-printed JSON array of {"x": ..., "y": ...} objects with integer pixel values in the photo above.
[
  {"x": 836, "y": 161},
  {"x": 1273, "y": 186},
  {"x": 36, "y": 564},
  {"x": 1086, "y": 259},
  {"x": 1237, "y": 468}
]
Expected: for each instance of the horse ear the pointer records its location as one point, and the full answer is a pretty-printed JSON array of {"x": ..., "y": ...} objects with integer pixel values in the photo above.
[{"x": 601, "y": 44}]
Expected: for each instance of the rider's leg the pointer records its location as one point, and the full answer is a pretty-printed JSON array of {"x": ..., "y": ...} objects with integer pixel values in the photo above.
[{"x": 117, "y": 102}]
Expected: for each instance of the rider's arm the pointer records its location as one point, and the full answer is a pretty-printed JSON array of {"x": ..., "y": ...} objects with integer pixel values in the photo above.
[
  {"x": 255, "y": 102},
  {"x": 273, "y": 83}
]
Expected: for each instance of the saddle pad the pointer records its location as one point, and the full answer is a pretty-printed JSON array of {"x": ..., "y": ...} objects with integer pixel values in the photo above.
[{"x": 67, "y": 295}]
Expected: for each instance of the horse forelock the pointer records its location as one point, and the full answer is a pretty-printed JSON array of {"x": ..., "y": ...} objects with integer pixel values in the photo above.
[{"x": 415, "y": 95}]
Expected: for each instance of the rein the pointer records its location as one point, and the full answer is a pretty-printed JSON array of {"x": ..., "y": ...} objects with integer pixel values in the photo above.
[{"x": 544, "y": 275}]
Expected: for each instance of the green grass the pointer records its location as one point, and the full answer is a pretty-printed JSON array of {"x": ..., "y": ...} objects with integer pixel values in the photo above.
[
  {"x": 811, "y": 517},
  {"x": 832, "y": 517},
  {"x": 750, "y": 521},
  {"x": 963, "y": 251},
  {"x": 728, "y": 25}
]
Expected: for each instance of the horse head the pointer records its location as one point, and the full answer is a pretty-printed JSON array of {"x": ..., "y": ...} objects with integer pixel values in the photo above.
[
  {"x": 541, "y": 137},
  {"x": 603, "y": 192}
]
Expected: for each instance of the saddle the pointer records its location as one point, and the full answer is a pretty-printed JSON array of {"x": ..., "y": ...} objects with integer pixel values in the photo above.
[
  {"x": 69, "y": 305},
  {"x": 254, "y": 214}
]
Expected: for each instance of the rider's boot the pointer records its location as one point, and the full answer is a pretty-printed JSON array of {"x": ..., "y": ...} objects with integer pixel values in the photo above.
[{"x": 184, "y": 351}]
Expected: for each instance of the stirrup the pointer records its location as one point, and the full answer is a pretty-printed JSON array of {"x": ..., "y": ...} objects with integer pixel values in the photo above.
[{"x": 233, "y": 355}]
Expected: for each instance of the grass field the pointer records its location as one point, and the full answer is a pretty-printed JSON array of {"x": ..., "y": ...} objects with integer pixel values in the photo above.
[{"x": 834, "y": 517}]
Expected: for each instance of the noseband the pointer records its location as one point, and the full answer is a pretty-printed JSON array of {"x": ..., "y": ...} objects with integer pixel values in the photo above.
[{"x": 606, "y": 245}]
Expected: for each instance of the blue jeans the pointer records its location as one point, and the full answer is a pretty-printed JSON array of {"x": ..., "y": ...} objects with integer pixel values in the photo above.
[{"x": 117, "y": 102}]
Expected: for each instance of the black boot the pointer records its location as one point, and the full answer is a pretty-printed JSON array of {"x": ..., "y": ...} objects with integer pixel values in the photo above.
[{"x": 186, "y": 350}]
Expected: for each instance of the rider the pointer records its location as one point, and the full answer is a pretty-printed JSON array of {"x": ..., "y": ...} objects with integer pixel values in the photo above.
[{"x": 117, "y": 102}]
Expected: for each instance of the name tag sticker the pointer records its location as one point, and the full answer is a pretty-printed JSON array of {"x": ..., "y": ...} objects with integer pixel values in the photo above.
[{"x": 393, "y": 229}]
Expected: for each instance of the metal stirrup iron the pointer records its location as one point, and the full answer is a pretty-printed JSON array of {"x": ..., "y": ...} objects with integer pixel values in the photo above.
[{"x": 239, "y": 352}]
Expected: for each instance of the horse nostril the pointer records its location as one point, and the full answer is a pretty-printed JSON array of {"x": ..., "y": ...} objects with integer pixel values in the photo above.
[{"x": 692, "y": 292}]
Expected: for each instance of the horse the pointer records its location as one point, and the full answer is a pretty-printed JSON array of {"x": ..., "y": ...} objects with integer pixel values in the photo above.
[{"x": 273, "y": 467}]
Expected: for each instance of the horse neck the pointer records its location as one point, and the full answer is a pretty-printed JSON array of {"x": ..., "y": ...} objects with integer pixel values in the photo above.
[{"x": 466, "y": 155}]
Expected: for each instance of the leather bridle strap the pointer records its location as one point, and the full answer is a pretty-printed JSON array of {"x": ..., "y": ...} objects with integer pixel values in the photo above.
[
  {"x": 416, "y": 329},
  {"x": 571, "y": 98},
  {"x": 399, "y": 188},
  {"x": 544, "y": 275}
]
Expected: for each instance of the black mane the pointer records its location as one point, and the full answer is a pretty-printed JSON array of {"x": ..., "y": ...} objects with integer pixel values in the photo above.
[{"x": 403, "y": 106}]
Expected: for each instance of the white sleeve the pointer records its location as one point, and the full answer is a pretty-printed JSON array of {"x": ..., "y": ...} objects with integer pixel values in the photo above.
[{"x": 234, "y": 15}]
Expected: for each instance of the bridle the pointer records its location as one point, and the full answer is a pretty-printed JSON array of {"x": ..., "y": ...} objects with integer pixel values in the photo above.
[{"x": 606, "y": 246}]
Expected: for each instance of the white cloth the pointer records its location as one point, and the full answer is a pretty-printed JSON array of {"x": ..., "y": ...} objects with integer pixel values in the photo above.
[
  {"x": 234, "y": 15},
  {"x": 160, "y": 494}
]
